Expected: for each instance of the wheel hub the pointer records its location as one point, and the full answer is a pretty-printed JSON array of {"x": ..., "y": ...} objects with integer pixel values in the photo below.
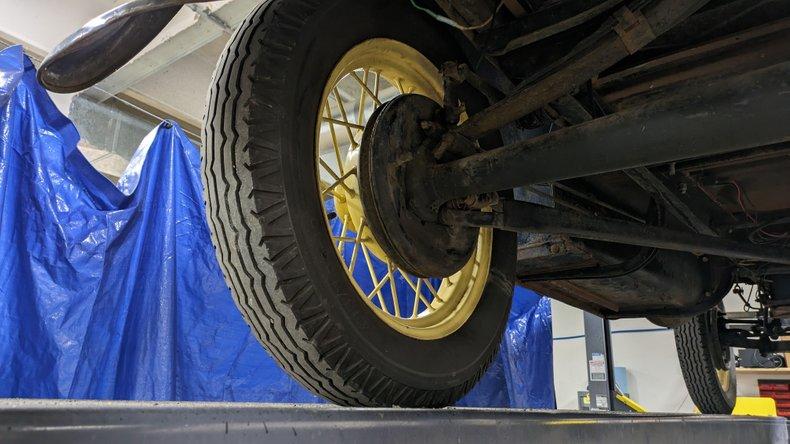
[{"x": 393, "y": 139}]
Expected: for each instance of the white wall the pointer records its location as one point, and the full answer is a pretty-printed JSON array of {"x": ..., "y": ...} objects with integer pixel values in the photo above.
[
  {"x": 570, "y": 367},
  {"x": 650, "y": 358}
]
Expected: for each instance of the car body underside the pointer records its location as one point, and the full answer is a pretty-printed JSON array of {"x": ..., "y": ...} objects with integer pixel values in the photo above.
[{"x": 739, "y": 195}]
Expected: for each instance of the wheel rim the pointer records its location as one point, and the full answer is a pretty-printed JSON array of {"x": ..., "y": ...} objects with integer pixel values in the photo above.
[{"x": 370, "y": 74}]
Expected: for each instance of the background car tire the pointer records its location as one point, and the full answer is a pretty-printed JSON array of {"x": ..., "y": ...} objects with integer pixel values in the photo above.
[{"x": 709, "y": 371}]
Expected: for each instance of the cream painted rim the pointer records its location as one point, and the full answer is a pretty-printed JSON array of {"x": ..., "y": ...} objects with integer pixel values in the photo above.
[{"x": 368, "y": 75}]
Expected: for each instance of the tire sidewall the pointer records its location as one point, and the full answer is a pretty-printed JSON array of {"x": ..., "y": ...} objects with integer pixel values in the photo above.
[
  {"x": 434, "y": 365},
  {"x": 710, "y": 322}
]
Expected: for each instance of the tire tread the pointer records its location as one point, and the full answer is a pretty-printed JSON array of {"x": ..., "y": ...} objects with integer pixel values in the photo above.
[
  {"x": 252, "y": 227},
  {"x": 698, "y": 368}
]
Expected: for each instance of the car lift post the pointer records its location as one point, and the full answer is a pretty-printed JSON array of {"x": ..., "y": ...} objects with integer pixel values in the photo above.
[
  {"x": 601, "y": 384},
  {"x": 600, "y": 364}
]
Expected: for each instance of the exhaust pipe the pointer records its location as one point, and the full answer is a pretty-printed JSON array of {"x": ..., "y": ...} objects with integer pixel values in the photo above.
[{"x": 105, "y": 44}]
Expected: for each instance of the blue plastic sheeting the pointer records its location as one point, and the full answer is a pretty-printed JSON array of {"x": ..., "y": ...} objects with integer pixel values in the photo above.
[
  {"x": 113, "y": 292},
  {"x": 108, "y": 293},
  {"x": 522, "y": 375}
]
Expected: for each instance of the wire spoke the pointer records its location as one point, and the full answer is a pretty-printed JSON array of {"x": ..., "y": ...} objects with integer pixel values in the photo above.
[
  {"x": 345, "y": 117},
  {"x": 374, "y": 278},
  {"x": 366, "y": 88},
  {"x": 344, "y": 239},
  {"x": 324, "y": 190},
  {"x": 362, "y": 97},
  {"x": 341, "y": 180},
  {"x": 416, "y": 306},
  {"x": 346, "y": 124},
  {"x": 342, "y": 235},
  {"x": 349, "y": 239},
  {"x": 335, "y": 176},
  {"x": 328, "y": 170},
  {"x": 335, "y": 145},
  {"x": 377, "y": 84},
  {"x": 417, "y": 291},
  {"x": 355, "y": 250},
  {"x": 393, "y": 290},
  {"x": 431, "y": 289},
  {"x": 377, "y": 289}
]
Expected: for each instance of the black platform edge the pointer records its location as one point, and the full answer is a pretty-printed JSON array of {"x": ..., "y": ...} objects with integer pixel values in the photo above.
[{"x": 117, "y": 422}]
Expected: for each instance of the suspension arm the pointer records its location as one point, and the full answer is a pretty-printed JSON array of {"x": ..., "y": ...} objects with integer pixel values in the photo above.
[
  {"x": 699, "y": 120},
  {"x": 523, "y": 216}
]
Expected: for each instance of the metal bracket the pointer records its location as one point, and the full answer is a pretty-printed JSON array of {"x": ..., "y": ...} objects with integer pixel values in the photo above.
[
  {"x": 634, "y": 29},
  {"x": 452, "y": 78},
  {"x": 207, "y": 14}
]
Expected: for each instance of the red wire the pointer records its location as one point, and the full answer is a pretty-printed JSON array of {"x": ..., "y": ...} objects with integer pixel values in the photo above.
[
  {"x": 750, "y": 217},
  {"x": 740, "y": 202},
  {"x": 713, "y": 199}
]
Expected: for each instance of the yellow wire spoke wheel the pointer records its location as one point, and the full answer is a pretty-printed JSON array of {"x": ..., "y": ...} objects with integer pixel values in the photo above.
[
  {"x": 369, "y": 75},
  {"x": 285, "y": 117}
]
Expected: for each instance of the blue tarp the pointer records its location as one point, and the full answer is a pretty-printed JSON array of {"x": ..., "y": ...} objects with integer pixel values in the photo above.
[
  {"x": 113, "y": 292},
  {"x": 523, "y": 374}
]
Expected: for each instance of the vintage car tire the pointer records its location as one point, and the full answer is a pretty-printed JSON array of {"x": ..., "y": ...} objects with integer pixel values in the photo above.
[
  {"x": 267, "y": 223},
  {"x": 708, "y": 369}
]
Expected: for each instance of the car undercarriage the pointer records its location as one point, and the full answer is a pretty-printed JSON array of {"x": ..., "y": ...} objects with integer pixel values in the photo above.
[
  {"x": 639, "y": 148},
  {"x": 689, "y": 91}
]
